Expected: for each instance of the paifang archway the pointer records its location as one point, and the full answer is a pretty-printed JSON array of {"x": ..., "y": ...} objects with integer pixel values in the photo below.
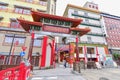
[{"x": 50, "y": 26}]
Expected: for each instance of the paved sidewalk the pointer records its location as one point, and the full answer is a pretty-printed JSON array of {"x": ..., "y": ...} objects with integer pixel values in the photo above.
[{"x": 94, "y": 74}]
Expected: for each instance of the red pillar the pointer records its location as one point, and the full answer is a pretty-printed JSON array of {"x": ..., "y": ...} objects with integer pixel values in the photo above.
[
  {"x": 52, "y": 52},
  {"x": 71, "y": 52},
  {"x": 97, "y": 55},
  {"x": 44, "y": 47},
  {"x": 85, "y": 54},
  {"x": 77, "y": 52}
]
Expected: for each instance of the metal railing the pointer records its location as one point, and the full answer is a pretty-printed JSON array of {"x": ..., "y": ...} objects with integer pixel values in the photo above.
[{"x": 21, "y": 72}]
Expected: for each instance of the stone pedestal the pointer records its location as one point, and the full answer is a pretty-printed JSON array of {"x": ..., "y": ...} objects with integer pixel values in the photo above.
[{"x": 76, "y": 67}]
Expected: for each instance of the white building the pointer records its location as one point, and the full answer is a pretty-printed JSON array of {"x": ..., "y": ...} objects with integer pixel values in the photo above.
[{"x": 94, "y": 43}]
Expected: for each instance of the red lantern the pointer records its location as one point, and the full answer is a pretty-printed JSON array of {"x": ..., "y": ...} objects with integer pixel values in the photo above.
[{"x": 24, "y": 48}]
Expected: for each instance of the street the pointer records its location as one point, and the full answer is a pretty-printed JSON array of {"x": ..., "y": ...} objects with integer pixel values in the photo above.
[{"x": 61, "y": 73}]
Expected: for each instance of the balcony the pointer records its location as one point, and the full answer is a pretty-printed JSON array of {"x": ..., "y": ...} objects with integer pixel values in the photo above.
[
  {"x": 42, "y": 3},
  {"x": 11, "y": 10},
  {"x": 90, "y": 24},
  {"x": 88, "y": 55},
  {"x": 96, "y": 34},
  {"x": 86, "y": 42},
  {"x": 84, "y": 16}
]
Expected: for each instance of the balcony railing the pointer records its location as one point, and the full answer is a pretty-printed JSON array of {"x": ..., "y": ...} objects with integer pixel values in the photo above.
[
  {"x": 88, "y": 55},
  {"x": 90, "y": 24},
  {"x": 86, "y": 42},
  {"x": 96, "y": 34},
  {"x": 89, "y": 17}
]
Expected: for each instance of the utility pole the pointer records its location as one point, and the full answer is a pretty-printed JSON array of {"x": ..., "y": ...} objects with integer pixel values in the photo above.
[{"x": 8, "y": 60}]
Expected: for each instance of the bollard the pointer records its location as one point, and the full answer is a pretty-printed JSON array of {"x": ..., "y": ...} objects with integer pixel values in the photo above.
[{"x": 76, "y": 67}]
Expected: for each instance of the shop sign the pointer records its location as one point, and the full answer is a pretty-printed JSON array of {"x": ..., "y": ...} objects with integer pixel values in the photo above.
[{"x": 56, "y": 29}]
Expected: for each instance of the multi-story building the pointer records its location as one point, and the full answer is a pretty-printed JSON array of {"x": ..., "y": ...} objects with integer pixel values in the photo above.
[
  {"x": 93, "y": 43},
  {"x": 111, "y": 25},
  {"x": 12, "y": 37}
]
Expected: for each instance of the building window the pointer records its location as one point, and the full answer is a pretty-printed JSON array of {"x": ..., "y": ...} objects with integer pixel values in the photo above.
[
  {"x": 29, "y": 1},
  {"x": 18, "y": 10},
  {"x": 86, "y": 20},
  {"x": 43, "y": 2},
  {"x": 96, "y": 7},
  {"x": 86, "y": 14},
  {"x": 25, "y": 11},
  {"x": 14, "y": 23},
  {"x": 75, "y": 12},
  {"x": 9, "y": 38},
  {"x": 90, "y": 50},
  {"x": 89, "y": 39},
  {"x": 80, "y": 50},
  {"x": 37, "y": 42},
  {"x": 22, "y": 10},
  {"x": 3, "y": 7},
  {"x": 90, "y": 6}
]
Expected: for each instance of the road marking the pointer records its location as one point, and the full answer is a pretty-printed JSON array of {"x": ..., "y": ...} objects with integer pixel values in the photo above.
[
  {"x": 52, "y": 77},
  {"x": 48, "y": 78},
  {"x": 37, "y": 78}
]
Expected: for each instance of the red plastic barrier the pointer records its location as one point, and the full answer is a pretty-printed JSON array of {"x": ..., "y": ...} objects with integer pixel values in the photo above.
[{"x": 17, "y": 73}]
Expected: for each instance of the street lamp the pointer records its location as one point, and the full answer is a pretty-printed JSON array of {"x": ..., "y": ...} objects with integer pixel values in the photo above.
[{"x": 8, "y": 60}]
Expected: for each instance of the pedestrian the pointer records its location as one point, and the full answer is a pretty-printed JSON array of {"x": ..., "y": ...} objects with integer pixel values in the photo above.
[{"x": 65, "y": 62}]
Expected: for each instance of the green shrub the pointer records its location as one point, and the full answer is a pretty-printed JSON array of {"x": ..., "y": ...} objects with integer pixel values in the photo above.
[{"x": 116, "y": 56}]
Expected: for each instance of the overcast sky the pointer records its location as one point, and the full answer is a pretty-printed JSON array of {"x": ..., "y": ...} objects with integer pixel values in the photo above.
[{"x": 108, "y": 6}]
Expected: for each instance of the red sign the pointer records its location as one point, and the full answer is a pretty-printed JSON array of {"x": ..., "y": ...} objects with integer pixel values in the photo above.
[{"x": 56, "y": 29}]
